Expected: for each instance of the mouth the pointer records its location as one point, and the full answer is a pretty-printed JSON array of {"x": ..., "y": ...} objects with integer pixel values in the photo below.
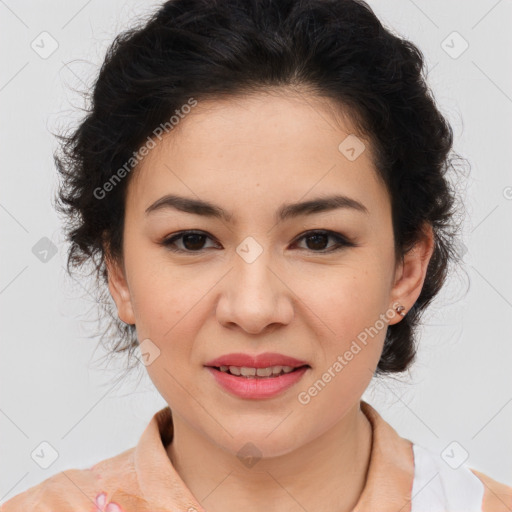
[
  {"x": 259, "y": 376},
  {"x": 264, "y": 380}
]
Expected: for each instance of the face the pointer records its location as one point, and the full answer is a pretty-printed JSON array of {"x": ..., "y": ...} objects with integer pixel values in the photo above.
[{"x": 314, "y": 285}]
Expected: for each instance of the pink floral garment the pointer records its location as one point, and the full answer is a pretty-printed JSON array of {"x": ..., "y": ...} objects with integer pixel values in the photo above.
[
  {"x": 103, "y": 506},
  {"x": 143, "y": 479}
]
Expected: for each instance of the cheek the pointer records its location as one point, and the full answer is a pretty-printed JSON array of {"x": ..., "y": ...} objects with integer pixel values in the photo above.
[
  {"x": 349, "y": 306},
  {"x": 351, "y": 328},
  {"x": 158, "y": 293},
  {"x": 164, "y": 312},
  {"x": 167, "y": 313},
  {"x": 348, "y": 298},
  {"x": 171, "y": 305}
]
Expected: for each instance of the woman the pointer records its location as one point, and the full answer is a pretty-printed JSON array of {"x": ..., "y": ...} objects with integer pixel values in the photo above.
[{"x": 262, "y": 186}]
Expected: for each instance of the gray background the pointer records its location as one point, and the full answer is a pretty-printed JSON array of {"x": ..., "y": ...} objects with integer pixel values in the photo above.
[{"x": 54, "y": 387}]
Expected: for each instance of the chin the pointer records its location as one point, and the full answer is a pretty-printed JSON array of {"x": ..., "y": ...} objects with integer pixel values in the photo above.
[{"x": 261, "y": 442}]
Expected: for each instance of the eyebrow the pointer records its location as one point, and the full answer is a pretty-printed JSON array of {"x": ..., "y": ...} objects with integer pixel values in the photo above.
[{"x": 287, "y": 211}]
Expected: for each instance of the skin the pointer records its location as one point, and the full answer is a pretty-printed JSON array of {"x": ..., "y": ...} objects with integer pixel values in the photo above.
[{"x": 250, "y": 155}]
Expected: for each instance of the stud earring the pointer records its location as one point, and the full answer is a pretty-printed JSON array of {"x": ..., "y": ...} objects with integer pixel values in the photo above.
[{"x": 400, "y": 310}]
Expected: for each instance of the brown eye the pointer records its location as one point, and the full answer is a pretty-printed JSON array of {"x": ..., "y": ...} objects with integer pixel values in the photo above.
[
  {"x": 316, "y": 241},
  {"x": 319, "y": 241},
  {"x": 191, "y": 241}
]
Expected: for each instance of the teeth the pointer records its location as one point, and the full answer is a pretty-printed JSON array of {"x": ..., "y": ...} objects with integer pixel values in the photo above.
[
  {"x": 263, "y": 372},
  {"x": 244, "y": 371},
  {"x": 234, "y": 370}
]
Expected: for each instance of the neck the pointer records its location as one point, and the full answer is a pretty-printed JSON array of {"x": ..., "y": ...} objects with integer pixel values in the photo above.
[{"x": 328, "y": 473}]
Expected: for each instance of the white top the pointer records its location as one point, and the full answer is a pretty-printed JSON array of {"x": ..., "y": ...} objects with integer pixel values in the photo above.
[{"x": 439, "y": 488}]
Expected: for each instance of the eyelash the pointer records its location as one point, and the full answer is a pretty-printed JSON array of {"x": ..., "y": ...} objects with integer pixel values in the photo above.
[{"x": 342, "y": 242}]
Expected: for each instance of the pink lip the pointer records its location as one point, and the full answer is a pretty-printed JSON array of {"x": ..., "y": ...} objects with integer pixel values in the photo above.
[
  {"x": 260, "y": 361},
  {"x": 257, "y": 387}
]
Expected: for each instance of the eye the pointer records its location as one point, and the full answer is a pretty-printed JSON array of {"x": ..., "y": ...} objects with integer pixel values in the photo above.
[
  {"x": 193, "y": 241},
  {"x": 319, "y": 238}
]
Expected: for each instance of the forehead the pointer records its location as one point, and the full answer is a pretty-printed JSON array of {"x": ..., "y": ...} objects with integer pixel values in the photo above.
[{"x": 238, "y": 148}]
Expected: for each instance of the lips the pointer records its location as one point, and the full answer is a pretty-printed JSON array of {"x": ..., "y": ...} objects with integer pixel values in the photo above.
[
  {"x": 255, "y": 386},
  {"x": 264, "y": 360}
]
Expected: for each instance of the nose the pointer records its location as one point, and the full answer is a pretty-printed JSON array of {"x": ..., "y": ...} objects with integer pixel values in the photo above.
[{"x": 254, "y": 297}]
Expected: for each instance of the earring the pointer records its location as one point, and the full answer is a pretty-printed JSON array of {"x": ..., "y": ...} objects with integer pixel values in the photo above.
[{"x": 400, "y": 310}]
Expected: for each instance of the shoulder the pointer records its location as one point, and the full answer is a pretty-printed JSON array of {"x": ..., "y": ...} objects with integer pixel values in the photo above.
[
  {"x": 497, "y": 496},
  {"x": 111, "y": 481},
  {"x": 443, "y": 483}
]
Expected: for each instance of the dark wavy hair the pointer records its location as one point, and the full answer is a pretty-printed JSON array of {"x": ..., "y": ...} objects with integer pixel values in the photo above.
[{"x": 212, "y": 49}]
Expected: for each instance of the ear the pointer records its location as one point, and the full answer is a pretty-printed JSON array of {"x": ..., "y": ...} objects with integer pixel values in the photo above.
[
  {"x": 411, "y": 272},
  {"x": 119, "y": 290}
]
